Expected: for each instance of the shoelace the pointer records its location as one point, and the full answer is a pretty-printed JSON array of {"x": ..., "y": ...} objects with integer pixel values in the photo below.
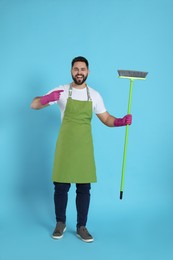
[{"x": 85, "y": 230}]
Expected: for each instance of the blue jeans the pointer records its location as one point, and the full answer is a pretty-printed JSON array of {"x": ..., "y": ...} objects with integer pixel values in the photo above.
[{"x": 82, "y": 201}]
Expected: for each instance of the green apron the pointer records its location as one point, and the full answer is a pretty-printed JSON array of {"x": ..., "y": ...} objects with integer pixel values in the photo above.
[{"x": 74, "y": 154}]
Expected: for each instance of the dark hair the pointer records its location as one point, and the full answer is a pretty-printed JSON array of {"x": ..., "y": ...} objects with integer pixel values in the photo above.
[{"x": 80, "y": 58}]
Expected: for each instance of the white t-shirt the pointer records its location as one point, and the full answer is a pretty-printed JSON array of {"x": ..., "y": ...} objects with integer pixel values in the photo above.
[{"x": 79, "y": 94}]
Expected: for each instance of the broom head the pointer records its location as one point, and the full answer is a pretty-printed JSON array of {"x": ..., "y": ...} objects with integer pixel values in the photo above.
[{"x": 131, "y": 74}]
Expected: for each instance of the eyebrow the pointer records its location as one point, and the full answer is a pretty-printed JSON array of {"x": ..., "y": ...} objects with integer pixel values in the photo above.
[{"x": 82, "y": 68}]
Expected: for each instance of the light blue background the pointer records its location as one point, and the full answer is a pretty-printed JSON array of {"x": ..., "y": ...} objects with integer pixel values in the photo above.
[{"x": 38, "y": 39}]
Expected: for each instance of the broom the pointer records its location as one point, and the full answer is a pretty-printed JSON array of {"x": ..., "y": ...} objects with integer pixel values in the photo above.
[{"x": 131, "y": 75}]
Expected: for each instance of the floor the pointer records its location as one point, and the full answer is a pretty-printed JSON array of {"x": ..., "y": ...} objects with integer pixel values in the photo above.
[{"x": 123, "y": 232}]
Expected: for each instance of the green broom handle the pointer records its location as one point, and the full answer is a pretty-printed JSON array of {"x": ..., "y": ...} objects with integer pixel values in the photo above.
[{"x": 126, "y": 140}]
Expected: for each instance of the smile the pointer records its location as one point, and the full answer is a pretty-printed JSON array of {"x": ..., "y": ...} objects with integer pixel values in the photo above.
[{"x": 79, "y": 76}]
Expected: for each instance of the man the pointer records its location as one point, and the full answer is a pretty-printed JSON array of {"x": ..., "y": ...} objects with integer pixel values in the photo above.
[{"x": 74, "y": 156}]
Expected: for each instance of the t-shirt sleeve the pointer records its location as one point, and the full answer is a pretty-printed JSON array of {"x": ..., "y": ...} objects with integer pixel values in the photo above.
[{"x": 99, "y": 106}]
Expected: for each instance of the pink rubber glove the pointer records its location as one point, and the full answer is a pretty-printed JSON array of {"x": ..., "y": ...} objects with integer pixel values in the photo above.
[
  {"x": 126, "y": 120},
  {"x": 53, "y": 96}
]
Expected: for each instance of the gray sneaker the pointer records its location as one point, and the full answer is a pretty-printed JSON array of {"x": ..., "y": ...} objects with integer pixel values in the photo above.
[
  {"x": 59, "y": 230},
  {"x": 83, "y": 233}
]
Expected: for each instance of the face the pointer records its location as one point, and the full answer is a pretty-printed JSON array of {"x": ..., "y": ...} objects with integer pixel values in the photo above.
[{"x": 79, "y": 72}]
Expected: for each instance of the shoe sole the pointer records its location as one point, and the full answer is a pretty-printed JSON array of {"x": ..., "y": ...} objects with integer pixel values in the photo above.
[
  {"x": 85, "y": 240},
  {"x": 59, "y": 237}
]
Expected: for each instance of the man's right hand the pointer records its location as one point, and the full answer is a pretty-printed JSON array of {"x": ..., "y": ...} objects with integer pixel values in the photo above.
[{"x": 53, "y": 96}]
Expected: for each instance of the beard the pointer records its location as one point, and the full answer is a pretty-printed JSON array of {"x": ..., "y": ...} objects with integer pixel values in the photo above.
[{"x": 79, "y": 80}]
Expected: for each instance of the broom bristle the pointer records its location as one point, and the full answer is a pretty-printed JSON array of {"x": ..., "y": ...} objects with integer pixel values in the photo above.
[{"x": 132, "y": 74}]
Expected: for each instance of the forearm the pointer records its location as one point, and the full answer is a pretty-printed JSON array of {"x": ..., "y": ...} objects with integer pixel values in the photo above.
[
  {"x": 107, "y": 119},
  {"x": 112, "y": 121},
  {"x": 36, "y": 104},
  {"x": 41, "y": 102}
]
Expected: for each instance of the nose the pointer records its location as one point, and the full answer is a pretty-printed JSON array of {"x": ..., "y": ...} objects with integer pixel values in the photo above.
[{"x": 79, "y": 71}]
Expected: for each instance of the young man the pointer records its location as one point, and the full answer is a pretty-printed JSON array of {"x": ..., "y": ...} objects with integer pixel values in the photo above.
[{"x": 74, "y": 156}]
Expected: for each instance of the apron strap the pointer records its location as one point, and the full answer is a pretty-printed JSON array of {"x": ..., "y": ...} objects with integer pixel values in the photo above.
[
  {"x": 70, "y": 92},
  {"x": 88, "y": 94}
]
